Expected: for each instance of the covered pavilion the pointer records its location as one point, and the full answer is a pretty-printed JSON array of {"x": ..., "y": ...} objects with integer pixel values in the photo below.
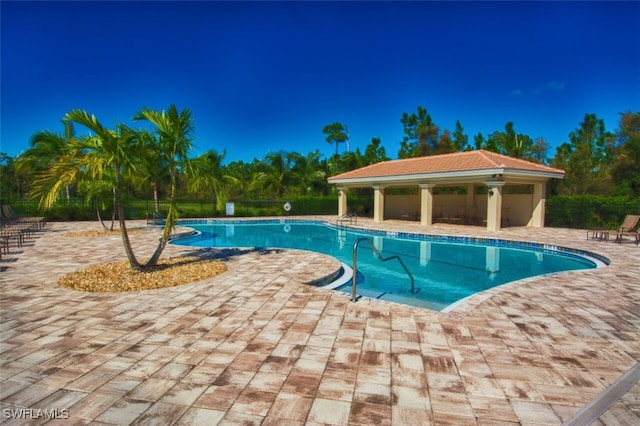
[{"x": 471, "y": 169}]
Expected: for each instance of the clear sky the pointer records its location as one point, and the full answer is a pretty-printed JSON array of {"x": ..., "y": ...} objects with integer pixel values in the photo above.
[{"x": 267, "y": 76}]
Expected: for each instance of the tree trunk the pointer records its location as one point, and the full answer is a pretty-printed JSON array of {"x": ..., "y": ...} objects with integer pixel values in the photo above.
[
  {"x": 168, "y": 226},
  {"x": 100, "y": 220},
  {"x": 154, "y": 185},
  {"x": 128, "y": 250}
]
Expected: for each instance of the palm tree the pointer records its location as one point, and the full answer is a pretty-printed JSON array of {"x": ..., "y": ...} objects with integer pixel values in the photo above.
[
  {"x": 153, "y": 166},
  {"x": 307, "y": 170},
  {"x": 174, "y": 136},
  {"x": 207, "y": 174},
  {"x": 337, "y": 133},
  {"x": 275, "y": 173},
  {"x": 103, "y": 155},
  {"x": 47, "y": 147}
]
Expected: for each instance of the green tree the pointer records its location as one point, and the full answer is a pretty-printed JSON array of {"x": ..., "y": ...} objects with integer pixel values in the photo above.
[
  {"x": 516, "y": 145},
  {"x": 478, "y": 141},
  {"x": 420, "y": 134},
  {"x": 46, "y": 148},
  {"x": 98, "y": 156},
  {"x": 585, "y": 159},
  {"x": 375, "y": 152},
  {"x": 207, "y": 174},
  {"x": 625, "y": 169},
  {"x": 337, "y": 133},
  {"x": 13, "y": 182},
  {"x": 351, "y": 160},
  {"x": 153, "y": 166},
  {"x": 460, "y": 139},
  {"x": 307, "y": 171},
  {"x": 275, "y": 173},
  {"x": 174, "y": 130}
]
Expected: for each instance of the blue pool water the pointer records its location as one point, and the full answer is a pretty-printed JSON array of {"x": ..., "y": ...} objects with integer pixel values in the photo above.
[{"x": 445, "y": 269}]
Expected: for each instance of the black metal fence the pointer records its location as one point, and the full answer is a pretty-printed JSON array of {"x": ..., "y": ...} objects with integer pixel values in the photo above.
[
  {"x": 588, "y": 212},
  {"x": 585, "y": 212}
]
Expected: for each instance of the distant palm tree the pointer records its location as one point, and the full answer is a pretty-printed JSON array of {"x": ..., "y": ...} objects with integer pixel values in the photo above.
[
  {"x": 207, "y": 174},
  {"x": 307, "y": 170},
  {"x": 275, "y": 174}
]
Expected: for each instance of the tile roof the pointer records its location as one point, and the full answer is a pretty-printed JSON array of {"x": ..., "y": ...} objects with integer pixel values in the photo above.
[{"x": 452, "y": 163}]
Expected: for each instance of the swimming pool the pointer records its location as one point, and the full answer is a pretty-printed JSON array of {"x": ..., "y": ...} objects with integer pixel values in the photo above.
[{"x": 445, "y": 269}]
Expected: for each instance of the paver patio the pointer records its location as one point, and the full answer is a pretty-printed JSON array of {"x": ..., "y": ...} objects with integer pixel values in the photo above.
[{"x": 256, "y": 345}]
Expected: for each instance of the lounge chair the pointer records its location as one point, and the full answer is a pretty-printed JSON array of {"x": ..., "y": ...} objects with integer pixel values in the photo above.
[
  {"x": 632, "y": 231},
  {"x": 10, "y": 217},
  {"x": 634, "y": 235},
  {"x": 628, "y": 225}
]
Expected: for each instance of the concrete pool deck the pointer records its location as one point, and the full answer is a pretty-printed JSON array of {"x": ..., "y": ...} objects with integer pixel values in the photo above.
[{"x": 255, "y": 345}]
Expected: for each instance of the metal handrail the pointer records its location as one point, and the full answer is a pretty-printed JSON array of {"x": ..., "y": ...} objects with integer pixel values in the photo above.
[
  {"x": 348, "y": 217},
  {"x": 354, "y": 295}
]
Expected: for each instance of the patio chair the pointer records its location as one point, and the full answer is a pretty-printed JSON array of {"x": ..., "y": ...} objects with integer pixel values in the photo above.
[
  {"x": 632, "y": 230},
  {"x": 439, "y": 215},
  {"x": 505, "y": 221},
  {"x": 459, "y": 217},
  {"x": 11, "y": 217},
  {"x": 472, "y": 217},
  {"x": 628, "y": 225}
]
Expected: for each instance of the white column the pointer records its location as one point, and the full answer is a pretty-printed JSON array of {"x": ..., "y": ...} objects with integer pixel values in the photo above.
[
  {"x": 378, "y": 203},
  {"x": 425, "y": 252},
  {"x": 493, "y": 259},
  {"x": 538, "y": 212},
  {"x": 494, "y": 205},
  {"x": 342, "y": 201},
  {"x": 426, "y": 204}
]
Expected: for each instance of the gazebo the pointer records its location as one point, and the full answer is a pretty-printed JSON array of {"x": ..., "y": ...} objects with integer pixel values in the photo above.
[{"x": 471, "y": 170}]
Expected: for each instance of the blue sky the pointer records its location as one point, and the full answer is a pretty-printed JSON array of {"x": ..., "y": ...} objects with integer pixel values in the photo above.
[{"x": 267, "y": 76}]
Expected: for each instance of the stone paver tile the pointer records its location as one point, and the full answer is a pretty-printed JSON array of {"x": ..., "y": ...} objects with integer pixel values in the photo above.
[
  {"x": 337, "y": 388},
  {"x": 268, "y": 382},
  {"x": 450, "y": 402},
  {"x": 495, "y": 409},
  {"x": 365, "y": 413},
  {"x": 218, "y": 397},
  {"x": 233, "y": 418},
  {"x": 91, "y": 380},
  {"x": 93, "y": 405},
  {"x": 161, "y": 413},
  {"x": 410, "y": 397},
  {"x": 151, "y": 389},
  {"x": 123, "y": 411},
  {"x": 301, "y": 384},
  {"x": 290, "y": 407},
  {"x": 29, "y": 396},
  {"x": 534, "y": 412},
  {"x": 327, "y": 411},
  {"x": 410, "y": 416},
  {"x": 254, "y": 401},
  {"x": 372, "y": 393},
  {"x": 200, "y": 417},
  {"x": 184, "y": 393}
]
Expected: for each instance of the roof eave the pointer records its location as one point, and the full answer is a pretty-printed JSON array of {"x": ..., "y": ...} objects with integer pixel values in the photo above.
[{"x": 448, "y": 177}]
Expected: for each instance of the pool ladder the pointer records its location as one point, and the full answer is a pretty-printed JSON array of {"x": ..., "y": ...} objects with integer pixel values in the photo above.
[
  {"x": 354, "y": 295},
  {"x": 352, "y": 218}
]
